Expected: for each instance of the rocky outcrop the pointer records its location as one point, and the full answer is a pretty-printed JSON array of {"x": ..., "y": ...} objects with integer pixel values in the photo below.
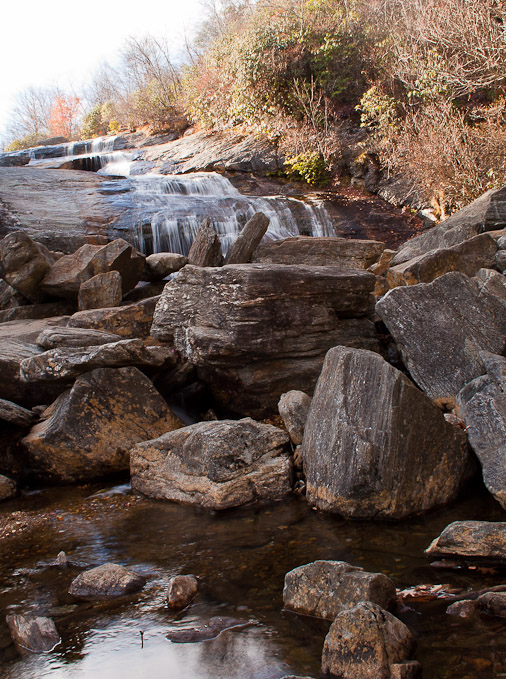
[
  {"x": 374, "y": 445},
  {"x": 245, "y": 244},
  {"x": 482, "y": 404},
  {"x": 102, "y": 290},
  {"x": 325, "y": 588},
  {"x": 131, "y": 320},
  {"x": 214, "y": 464},
  {"x": 366, "y": 642},
  {"x": 181, "y": 591},
  {"x": 256, "y": 331},
  {"x": 345, "y": 252},
  {"x": 89, "y": 430},
  {"x": 471, "y": 539},
  {"x": 24, "y": 264},
  {"x": 206, "y": 248},
  {"x": 440, "y": 329},
  {"x": 294, "y": 408},
  {"x": 106, "y": 582},
  {"x": 33, "y": 634}
]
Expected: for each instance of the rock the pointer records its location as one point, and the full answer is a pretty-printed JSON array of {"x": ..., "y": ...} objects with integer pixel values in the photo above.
[
  {"x": 343, "y": 252},
  {"x": 500, "y": 261},
  {"x": 89, "y": 430},
  {"x": 182, "y": 590},
  {"x": 8, "y": 488},
  {"x": 144, "y": 291},
  {"x": 492, "y": 282},
  {"x": 247, "y": 241},
  {"x": 37, "y": 311},
  {"x": 210, "y": 630},
  {"x": 162, "y": 264},
  {"x": 255, "y": 331},
  {"x": 374, "y": 445},
  {"x": 132, "y": 320},
  {"x": 118, "y": 255},
  {"x": 487, "y": 213},
  {"x": 325, "y": 588},
  {"x": 17, "y": 415},
  {"x": 441, "y": 327},
  {"x": 380, "y": 267},
  {"x": 482, "y": 404},
  {"x": 364, "y": 643},
  {"x": 106, "y": 582},
  {"x": 406, "y": 670},
  {"x": 293, "y": 408},
  {"x": 33, "y": 633},
  {"x": 9, "y": 297},
  {"x": 465, "y": 609},
  {"x": 51, "y": 338},
  {"x": 473, "y": 539},
  {"x": 214, "y": 464},
  {"x": 206, "y": 248},
  {"x": 493, "y": 603},
  {"x": 24, "y": 264},
  {"x": 101, "y": 291},
  {"x": 467, "y": 257},
  {"x": 65, "y": 363}
]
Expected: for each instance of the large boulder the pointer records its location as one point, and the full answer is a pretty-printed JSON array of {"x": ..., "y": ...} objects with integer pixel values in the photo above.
[
  {"x": 471, "y": 539},
  {"x": 256, "y": 331},
  {"x": 440, "y": 329},
  {"x": 106, "y": 582},
  {"x": 131, "y": 320},
  {"x": 162, "y": 264},
  {"x": 100, "y": 291},
  {"x": 325, "y": 588},
  {"x": 374, "y": 445},
  {"x": 24, "y": 264},
  {"x": 214, "y": 464},
  {"x": 350, "y": 253},
  {"x": 206, "y": 248},
  {"x": 89, "y": 430},
  {"x": 482, "y": 404},
  {"x": 365, "y": 643}
]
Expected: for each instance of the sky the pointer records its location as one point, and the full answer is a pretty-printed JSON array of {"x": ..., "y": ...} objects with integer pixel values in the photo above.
[{"x": 62, "y": 42}]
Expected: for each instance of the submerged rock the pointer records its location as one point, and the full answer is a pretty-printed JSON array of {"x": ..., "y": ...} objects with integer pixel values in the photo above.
[
  {"x": 181, "y": 591},
  {"x": 33, "y": 633},
  {"x": 374, "y": 445},
  {"x": 106, "y": 582},
  {"x": 216, "y": 465},
  {"x": 325, "y": 588},
  {"x": 471, "y": 539}
]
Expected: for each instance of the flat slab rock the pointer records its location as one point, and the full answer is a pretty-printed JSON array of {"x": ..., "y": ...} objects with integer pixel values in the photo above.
[
  {"x": 374, "y": 445},
  {"x": 34, "y": 634},
  {"x": 325, "y": 588},
  {"x": 471, "y": 539},
  {"x": 216, "y": 465},
  {"x": 349, "y": 253},
  {"x": 440, "y": 329},
  {"x": 51, "y": 338},
  {"x": 106, "y": 582}
]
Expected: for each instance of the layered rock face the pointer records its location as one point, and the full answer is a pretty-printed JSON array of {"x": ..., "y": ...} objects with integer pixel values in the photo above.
[
  {"x": 256, "y": 331},
  {"x": 374, "y": 445}
]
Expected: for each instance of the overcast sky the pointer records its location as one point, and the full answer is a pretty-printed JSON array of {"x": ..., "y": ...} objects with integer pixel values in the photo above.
[{"x": 61, "y": 42}]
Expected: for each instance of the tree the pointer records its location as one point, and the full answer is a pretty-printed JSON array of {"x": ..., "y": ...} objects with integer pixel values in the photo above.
[{"x": 63, "y": 116}]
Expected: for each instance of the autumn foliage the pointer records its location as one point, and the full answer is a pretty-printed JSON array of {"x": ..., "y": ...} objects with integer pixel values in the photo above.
[{"x": 64, "y": 116}]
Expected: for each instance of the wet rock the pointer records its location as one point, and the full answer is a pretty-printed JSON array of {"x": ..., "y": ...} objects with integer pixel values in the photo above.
[
  {"x": 247, "y": 241},
  {"x": 106, "y": 582},
  {"x": 8, "y": 488},
  {"x": 325, "y": 588},
  {"x": 132, "y": 320},
  {"x": 365, "y": 642},
  {"x": 182, "y": 590},
  {"x": 441, "y": 327},
  {"x": 206, "y": 248},
  {"x": 33, "y": 633},
  {"x": 374, "y": 445},
  {"x": 255, "y": 331},
  {"x": 465, "y": 609},
  {"x": 482, "y": 404},
  {"x": 162, "y": 264},
  {"x": 493, "y": 603},
  {"x": 51, "y": 338},
  {"x": 293, "y": 408},
  {"x": 89, "y": 430},
  {"x": 101, "y": 291},
  {"x": 209, "y": 630},
  {"x": 65, "y": 363},
  {"x": 487, "y": 213},
  {"x": 473, "y": 539},
  {"x": 17, "y": 415},
  {"x": 343, "y": 252},
  {"x": 214, "y": 464},
  {"x": 24, "y": 264},
  {"x": 467, "y": 258}
]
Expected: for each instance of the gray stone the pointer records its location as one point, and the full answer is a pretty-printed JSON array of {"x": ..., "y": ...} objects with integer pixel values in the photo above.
[
  {"x": 374, "y": 445},
  {"x": 51, "y": 338},
  {"x": 89, "y": 430},
  {"x": 344, "y": 252},
  {"x": 441, "y": 327},
  {"x": 106, "y": 582},
  {"x": 24, "y": 264},
  {"x": 466, "y": 609},
  {"x": 293, "y": 408},
  {"x": 364, "y": 643},
  {"x": 247, "y": 241},
  {"x": 162, "y": 264},
  {"x": 500, "y": 261},
  {"x": 33, "y": 634},
  {"x": 325, "y": 588},
  {"x": 471, "y": 539},
  {"x": 206, "y": 248},
  {"x": 37, "y": 311},
  {"x": 181, "y": 591},
  {"x": 100, "y": 291},
  {"x": 493, "y": 603},
  {"x": 482, "y": 404},
  {"x": 131, "y": 320},
  {"x": 492, "y": 282},
  {"x": 216, "y": 465},
  {"x": 17, "y": 415},
  {"x": 8, "y": 488}
]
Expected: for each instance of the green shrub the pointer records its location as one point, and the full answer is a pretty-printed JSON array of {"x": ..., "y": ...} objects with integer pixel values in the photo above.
[{"x": 309, "y": 167}]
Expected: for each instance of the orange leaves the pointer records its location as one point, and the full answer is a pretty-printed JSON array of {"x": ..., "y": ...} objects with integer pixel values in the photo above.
[{"x": 63, "y": 115}]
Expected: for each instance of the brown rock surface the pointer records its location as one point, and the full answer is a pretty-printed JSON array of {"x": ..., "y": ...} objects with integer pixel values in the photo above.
[
  {"x": 131, "y": 320},
  {"x": 344, "y": 252},
  {"x": 181, "y": 591},
  {"x": 33, "y": 633},
  {"x": 473, "y": 539},
  {"x": 8, "y": 488},
  {"x": 100, "y": 291},
  {"x": 106, "y": 582},
  {"x": 245, "y": 244},
  {"x": 24, "y": 264},
  {"x": 206, "y": 248}
]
